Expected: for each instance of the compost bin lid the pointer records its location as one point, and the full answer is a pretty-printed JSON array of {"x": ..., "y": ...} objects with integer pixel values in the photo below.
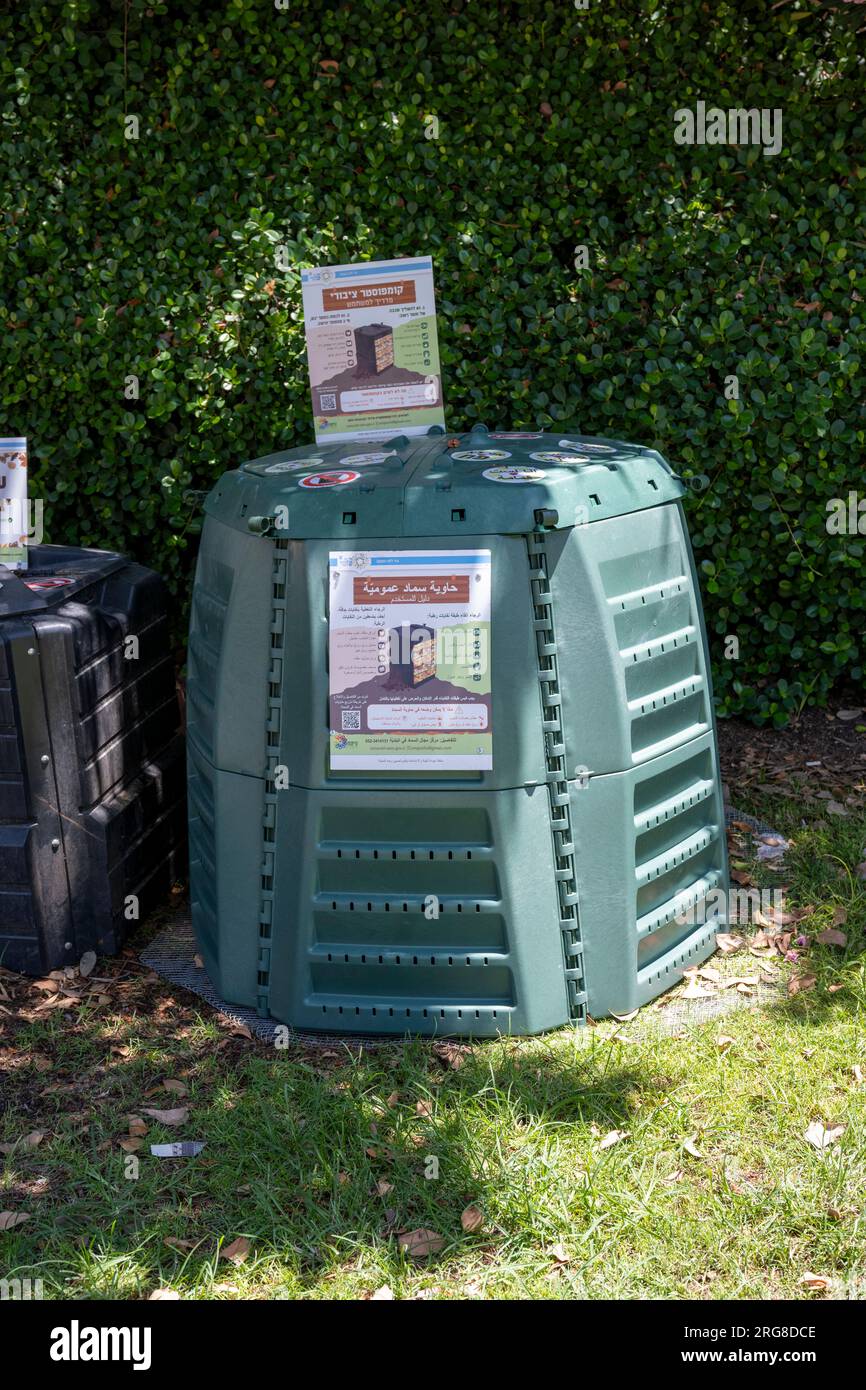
[
  {"x": 54, "y": 574},
  {"x": 484, "y": 482}
]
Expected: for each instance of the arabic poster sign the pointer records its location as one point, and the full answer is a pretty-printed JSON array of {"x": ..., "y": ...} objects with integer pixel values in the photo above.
[
  {"x": 410, "y": 683},
  {"x": 13, "y": 503},
  {"x": 372, "y": 349}
]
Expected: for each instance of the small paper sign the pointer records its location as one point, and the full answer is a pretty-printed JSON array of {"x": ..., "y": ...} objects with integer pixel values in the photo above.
[
  {"x": 13, "y": 503},
  {"x": 372, "y": 349},
  {"x": 188, "y": 1148}
]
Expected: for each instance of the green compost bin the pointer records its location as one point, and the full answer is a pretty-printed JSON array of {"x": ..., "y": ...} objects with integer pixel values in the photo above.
[{"x": 388, "y": 835}]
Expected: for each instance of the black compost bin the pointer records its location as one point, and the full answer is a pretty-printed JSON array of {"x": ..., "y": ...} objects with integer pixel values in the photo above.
[{"x": 92, "y": 801}]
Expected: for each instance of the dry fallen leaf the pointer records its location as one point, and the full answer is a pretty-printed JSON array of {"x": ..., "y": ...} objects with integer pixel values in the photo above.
[
  {"x": 559, "y": 1254},
  {"x": 421, "y": 1243},
  {"x": 87, "y": 963},
  {"x": 832, "y": 937},
  {"x": 625, "y": 1018},
  {"x": 798, "y": 984},
  {"x": 169, "y": 1117},
  {"x": 821, "y": 1136},
  {"x": 237, "y": 1251},
  {"x": 28, "y": 1141},
  {"x": 723, "y": 1042},
  {"x": 178, "y": 1088},
  {"x": 814, "y": 1281},
  {"x": 131, "y": 1146},
  {"x": 383, "y": 1187},
  {"x": 164, "y": 1296},
  {"x": 472, "y": 1219},
  {"x": 137, "y": 1125},
  {"x": 728, "y": 943},
  {"x": 695, "y": 991},
  {"x": 382, "y": 1295},
  {"x": 691, "y": 1147},
  {"x": 451, "y": 1054},
  {"x": 175, "y": 1243},
  {"x": 857, "y": 1073},
  {"x": 613, "y": 1137},
  {"x": 9, "y": 1219},
  {"x": 48, "y": 986}
]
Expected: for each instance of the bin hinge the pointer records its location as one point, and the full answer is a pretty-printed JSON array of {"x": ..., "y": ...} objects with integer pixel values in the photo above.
[
  {"x": 273, "y": 723},
  {"x": 555, "y": 770}
]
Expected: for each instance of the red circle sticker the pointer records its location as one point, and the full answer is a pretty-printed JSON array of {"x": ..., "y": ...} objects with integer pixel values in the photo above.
[{"x": 333, "y": 479}]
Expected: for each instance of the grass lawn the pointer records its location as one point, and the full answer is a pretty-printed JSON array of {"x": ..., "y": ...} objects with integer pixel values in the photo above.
[{"x": 321, "y": 1160}]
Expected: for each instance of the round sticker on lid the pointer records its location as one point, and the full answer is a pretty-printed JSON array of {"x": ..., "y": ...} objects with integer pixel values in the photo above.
[
  {"x": 560, "y": 458},
  {"x": 334, "y": 478},
  {"x": 369, "y": 458},
  {"x": 593, "y": 448},
  {"x": 55, "y": 581},
  {"x": 517, "y": 434},
  {"x": 481, "y": 455},
  {"x": 514, "y": 473},
  {"x": 287, "y": 467}
]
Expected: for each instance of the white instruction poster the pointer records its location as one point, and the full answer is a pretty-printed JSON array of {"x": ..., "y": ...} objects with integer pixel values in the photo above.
[
  {"x": 409, "y": 648},
  {"x": 13, "y": 503},
  {"x": 372, "y": 349}
]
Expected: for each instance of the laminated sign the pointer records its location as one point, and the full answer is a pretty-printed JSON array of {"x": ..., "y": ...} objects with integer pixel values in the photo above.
[
  {"x": 410, "y": 660},
  {"x": 372, "y": 349},
  {"x": 13, "y": 503}
]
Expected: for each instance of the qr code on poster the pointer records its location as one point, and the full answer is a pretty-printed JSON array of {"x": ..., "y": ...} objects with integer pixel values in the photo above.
[
  {"x": 351, "y": 718},
  {"x": 328, "y": 400}
]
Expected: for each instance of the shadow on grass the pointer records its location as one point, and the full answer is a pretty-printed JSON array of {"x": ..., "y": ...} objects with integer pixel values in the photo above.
[
  {"x": 320, "y": 1158},
  {"x": 317, "y": 1159}
]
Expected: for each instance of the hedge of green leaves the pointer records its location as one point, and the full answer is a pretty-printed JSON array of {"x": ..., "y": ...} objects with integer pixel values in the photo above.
[{"x": 305, "y": 125}]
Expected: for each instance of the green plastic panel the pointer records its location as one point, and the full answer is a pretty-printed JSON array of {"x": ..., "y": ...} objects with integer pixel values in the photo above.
[
  {"x": 633, "y": 663},
  {"x": 225, "y": 851},
  {"x": 650, "y": 845},
  {"x": 429, "y": 916}
]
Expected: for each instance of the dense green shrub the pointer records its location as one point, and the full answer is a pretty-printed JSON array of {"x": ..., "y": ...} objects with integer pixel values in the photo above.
[{"x": 304, "y": 127}]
